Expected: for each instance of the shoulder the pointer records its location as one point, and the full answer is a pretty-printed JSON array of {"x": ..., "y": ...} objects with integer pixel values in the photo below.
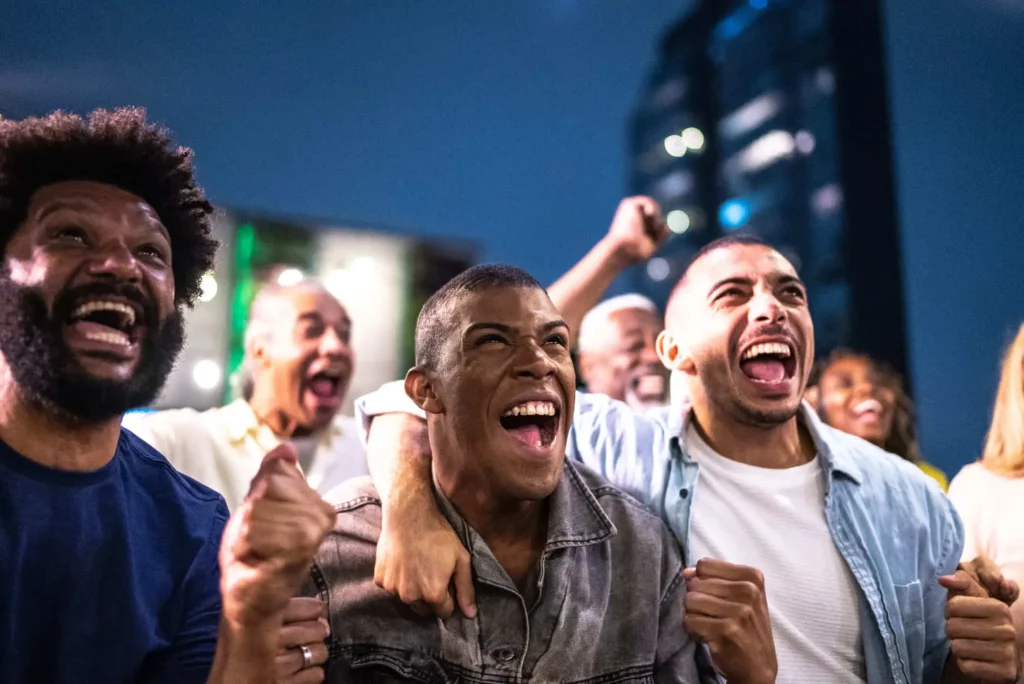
[
  {"x": 617, "y": 504},
  {"x": 973, "y": 475},
  {"x": 348, "y": 433},
  {"x": 160, "y": 480},
  {"x": 357, "y": 524},
  {"x": 894, "y": 491}
]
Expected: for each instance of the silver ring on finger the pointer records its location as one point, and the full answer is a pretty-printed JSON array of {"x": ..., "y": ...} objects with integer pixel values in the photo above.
[{"x": 307, "y": 657}]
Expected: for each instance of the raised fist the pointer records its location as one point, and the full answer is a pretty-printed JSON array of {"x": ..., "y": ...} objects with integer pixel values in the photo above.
[
  {"x": 638, "y": 229},
  {"x": 271, "y": 540}
]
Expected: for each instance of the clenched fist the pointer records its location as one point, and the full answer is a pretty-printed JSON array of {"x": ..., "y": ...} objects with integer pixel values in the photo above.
[
  {"x": 726, "y": 608},
  {"x": 270, "y": 541},
  {"x": 978, "y": 622},
  {"x": 638, "y": 229}
]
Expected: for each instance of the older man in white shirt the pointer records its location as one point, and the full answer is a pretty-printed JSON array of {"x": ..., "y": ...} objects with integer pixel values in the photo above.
[{"x": 298, "y": 363}]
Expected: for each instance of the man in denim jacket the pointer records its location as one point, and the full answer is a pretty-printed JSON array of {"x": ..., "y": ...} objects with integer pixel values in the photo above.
[
  {"x": 857, "y": 548},
  {"x": 574, "y": 580}
]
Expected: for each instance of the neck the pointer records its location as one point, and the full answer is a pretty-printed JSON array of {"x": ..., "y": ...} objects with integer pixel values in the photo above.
[
  {"x": 49, "y": 438},
  {"x": 270, "y": 414},
  {"x": 784, "y": 445},
  {"x": 514, "y": 530}
]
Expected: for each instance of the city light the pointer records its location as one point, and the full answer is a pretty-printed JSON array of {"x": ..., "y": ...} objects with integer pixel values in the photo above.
[
  {"x": 804, "y": 142},
  {"x": 675, "y": 146},
  {"x": 207, "y": 287},
  {"x": 290, "y": 276},
  {"x": 733, "y": 214},
  {"x": 678, "y": 221},
  {"x": 206, "y": 374},
  {"x": 766, "y": 150},
  {"x": 693, "y": 138},
  {"x": 658, "y": 269}
]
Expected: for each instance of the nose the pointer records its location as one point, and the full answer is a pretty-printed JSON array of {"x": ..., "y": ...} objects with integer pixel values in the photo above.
[
  {"x": 765, "y": 308},
  {"x": 532, "y": 362},
  {"x": 332, "y": 344},
  {"x": 649, "y": 355},
  {"x": 115, "y": 262}
]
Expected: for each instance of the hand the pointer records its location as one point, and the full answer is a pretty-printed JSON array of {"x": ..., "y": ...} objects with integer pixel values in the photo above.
[
  {"x": 638, "y": 229},
  {"x": 726, "y": 608},
  {"x": 422, "y": 561},
  {"x": 980, "y": 629},
  {"x": 270, "y": 542},
  {"x": 984, "y": 572},
  {"x": 304, "y": 625}
]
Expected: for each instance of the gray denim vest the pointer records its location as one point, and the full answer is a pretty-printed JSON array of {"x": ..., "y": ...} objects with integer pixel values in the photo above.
[{"x": 608, "y": 602}]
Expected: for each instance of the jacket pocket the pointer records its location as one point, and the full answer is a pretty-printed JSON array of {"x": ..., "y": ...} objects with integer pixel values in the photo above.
[
  {"x": 390, "y": 667},
  {"x": 910, "y": 598}
]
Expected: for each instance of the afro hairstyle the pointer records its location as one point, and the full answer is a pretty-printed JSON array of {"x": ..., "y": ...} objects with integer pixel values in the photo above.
[{"x": 118, "y": 148}]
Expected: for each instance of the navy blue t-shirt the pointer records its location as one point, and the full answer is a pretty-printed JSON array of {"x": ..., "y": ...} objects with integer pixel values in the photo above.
[{"x": 107, "y": 576}]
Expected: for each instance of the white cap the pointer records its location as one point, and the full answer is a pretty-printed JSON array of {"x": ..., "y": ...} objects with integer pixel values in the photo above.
[{"x": 593, "y": 324}]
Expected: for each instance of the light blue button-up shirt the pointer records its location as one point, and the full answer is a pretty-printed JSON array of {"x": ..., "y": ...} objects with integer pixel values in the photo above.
[{"x": 894, "y": 527}]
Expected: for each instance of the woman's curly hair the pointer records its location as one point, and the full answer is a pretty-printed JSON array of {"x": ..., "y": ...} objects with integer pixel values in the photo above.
[
  {"x": 902, "y": 438},
  {"x": 118, "y": 148}
]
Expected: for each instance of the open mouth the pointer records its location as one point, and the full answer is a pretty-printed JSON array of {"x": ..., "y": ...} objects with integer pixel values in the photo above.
[
  {"x": 325, "y": 385},
  {"x": 869, "y": 409},
  {"x": 106, "y": 321},
  {"x": 649, "y": 385},
  {"x": 769, "y": 362},
  {"x": 534, "y": 423}
]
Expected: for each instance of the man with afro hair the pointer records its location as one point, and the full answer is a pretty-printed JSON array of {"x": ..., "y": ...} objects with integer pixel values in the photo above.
[{"x": 112, "y": 563}]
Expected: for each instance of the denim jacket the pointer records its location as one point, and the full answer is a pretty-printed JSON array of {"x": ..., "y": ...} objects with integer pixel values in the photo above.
[
  {"x": 605, "y": 604},
  {"x": 894, "y": 527}
]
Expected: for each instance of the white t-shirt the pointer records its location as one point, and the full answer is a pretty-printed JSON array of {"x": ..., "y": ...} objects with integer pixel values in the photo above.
[
  {"x": 774, "y": 520},
  {"x": 992, "y": 508}
]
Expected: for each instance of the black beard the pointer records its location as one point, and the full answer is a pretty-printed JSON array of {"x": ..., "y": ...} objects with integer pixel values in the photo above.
[{"x": 46, "y": 371}]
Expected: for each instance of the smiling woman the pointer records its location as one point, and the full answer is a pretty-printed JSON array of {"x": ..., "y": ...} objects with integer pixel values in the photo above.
[{"x": 865, "y": 398}]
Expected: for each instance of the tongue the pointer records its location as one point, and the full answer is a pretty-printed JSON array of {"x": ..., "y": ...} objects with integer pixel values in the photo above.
[
  {"x": 765, "y": 370},
  {"x": 322, "y": 387},
  {"x": 528, "y": 434}
]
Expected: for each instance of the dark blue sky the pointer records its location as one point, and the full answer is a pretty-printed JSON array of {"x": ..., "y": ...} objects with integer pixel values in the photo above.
[{"x": 503, "y": 122}]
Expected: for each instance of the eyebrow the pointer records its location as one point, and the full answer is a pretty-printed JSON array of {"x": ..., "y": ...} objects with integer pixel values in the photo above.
[
  {"x": 317, "y": 316},
  {"x": 83, "y": 203},
  {"x": 508, "y": 330}
]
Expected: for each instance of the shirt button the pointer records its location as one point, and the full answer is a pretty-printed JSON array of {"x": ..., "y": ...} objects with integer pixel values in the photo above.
[
  {"x": 683, "y": 493},
  {"x": 504, "y": 655}
]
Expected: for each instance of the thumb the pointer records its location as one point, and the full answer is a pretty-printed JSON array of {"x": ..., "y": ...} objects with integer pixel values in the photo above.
[
  {"x": 282, "y": 459},
  {"x": 464, "y": 592}
]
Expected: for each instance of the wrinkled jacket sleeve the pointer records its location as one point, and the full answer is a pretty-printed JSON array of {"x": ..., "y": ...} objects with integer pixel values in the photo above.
[{"x": 629, "y": 449}]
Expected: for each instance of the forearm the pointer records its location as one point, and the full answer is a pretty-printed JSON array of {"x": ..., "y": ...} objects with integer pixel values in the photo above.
[
  {"x": 245, "y": 655},
  {"x": 581, "y": 288},
  {"x": 398, "y": 453}
]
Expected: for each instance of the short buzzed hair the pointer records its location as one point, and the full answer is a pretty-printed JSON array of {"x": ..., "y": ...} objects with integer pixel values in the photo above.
[{"x": 434, "y": 323}]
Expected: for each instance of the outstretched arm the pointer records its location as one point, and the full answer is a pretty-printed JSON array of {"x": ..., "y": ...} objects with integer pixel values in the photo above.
[
  {"x": 635, "y": 234},
  {"x": 419, "y": 556}
]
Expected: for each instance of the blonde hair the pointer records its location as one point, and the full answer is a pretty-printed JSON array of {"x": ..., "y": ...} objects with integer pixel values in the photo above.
[{"x": 1004, "y": 448}]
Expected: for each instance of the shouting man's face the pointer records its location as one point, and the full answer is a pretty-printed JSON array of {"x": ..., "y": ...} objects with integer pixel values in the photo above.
[{"x": 90, "y": 326}]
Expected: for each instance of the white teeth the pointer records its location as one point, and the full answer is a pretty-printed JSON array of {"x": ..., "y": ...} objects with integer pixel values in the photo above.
[
  {"x": 89, "y": 307},
  {"x": 118, "y": 338},
  {"x": 868, "y": 405},
  {"x": 772, "y": 348},
  {"x": 532, "y": 408}
]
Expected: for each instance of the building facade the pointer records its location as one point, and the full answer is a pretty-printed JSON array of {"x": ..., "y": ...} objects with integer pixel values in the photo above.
[{"x": 770, "y": 117}]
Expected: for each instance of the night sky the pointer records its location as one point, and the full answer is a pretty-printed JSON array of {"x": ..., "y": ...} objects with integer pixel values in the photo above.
[{"x": 504, "y": 122}]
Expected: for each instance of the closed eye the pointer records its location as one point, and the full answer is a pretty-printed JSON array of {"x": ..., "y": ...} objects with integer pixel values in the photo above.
[
  {"x": 490, "y": 339},
  {"x": 557, "y": 339}
]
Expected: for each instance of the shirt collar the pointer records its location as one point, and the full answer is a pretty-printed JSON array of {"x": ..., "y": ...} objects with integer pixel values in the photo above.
[
  {"x": 240, "y": 421},
  {"x": 575, "y": 518},
  {"x": 835, "y": 453}
]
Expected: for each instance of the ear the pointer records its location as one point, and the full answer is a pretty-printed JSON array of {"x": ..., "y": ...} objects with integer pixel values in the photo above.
[
  {"x": 420, "y": 389},
  {"x": 258, "y": 351},
  {"x": 674, "y": 354},
  {"x": 812, "y": 395}
]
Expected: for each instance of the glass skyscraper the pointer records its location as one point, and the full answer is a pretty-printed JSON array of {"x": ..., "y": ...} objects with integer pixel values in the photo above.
[{"x": 770, "y": 117}]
